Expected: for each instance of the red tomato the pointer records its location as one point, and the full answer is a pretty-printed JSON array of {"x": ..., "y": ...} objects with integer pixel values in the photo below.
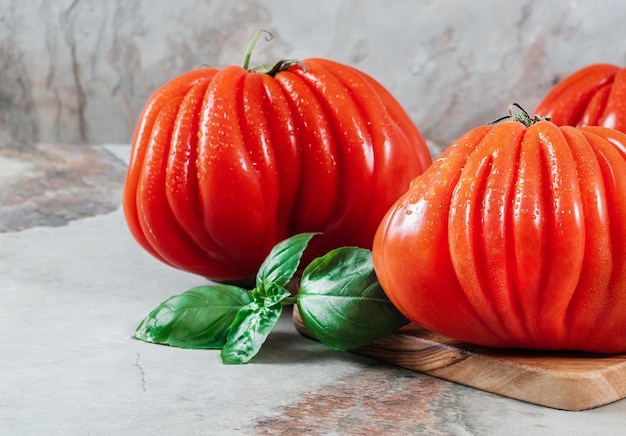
[
  {"x": 228, "y": 162},
  {"x": 592, "y": 96},
  {"x": 515, "y": 237}
]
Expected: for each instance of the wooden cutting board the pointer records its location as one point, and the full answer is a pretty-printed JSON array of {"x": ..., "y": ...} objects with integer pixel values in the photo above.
[{"x": 560, "y": 380}]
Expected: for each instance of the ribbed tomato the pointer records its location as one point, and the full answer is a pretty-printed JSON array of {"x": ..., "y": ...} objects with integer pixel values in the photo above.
[
  {"x": 515, "y": 237},
  {"x": 592, "y": 96},
  {"x": 227, "y": 162}
]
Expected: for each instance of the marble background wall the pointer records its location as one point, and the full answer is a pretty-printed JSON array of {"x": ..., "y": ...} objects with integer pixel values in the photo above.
[{"x": 79, "y": 71}]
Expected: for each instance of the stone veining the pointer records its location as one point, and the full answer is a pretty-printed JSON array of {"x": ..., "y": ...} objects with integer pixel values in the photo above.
[
  {"x": 79, "y": 71},
  {"x": 55, "y": 184},
  {"x": 141, "y": 372}
]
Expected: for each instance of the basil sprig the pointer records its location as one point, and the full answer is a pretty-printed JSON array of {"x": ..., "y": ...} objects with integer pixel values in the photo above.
[{"x": 340, "y": 301}]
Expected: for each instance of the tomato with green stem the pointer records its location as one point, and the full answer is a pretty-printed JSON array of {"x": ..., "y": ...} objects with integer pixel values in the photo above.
[
  {"x": 515, "y": 237},
  {"x": 227, "y": 162}
]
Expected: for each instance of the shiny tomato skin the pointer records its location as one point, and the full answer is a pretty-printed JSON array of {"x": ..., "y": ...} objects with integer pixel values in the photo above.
[
  {"x": 592, "y": 96},
  {"x": 515, "y": 237},
  {"x": 225, "y": 163}
]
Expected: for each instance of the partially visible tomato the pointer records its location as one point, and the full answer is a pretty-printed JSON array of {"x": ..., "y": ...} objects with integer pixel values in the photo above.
[
  {"x": 227, "y": 162},
  {"x": 515, "y": 237},
  {"x": 592, "y": 96}
]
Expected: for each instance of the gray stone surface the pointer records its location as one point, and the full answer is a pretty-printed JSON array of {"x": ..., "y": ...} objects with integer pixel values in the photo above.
[
  {"x": 72, "y": 295},
  {"x": 74, "y": 284},
  {"x": 71, "y": 299},
  {"x": 80, "y": 71}
]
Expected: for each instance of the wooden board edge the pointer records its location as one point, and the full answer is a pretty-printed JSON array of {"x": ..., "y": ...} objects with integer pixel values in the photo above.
[{"x": 495, "y": 373}]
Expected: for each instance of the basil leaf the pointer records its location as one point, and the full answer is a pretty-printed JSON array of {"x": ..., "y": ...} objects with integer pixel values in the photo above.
[
  {"x": 282, "y": 262},
  {"x": 274, "y": 294},
  {"x": 342, "y": 303},
  {"x": 249, "y": 331},
  {"x": 198, "y": 318},
  {"x": 254, "y": 323}
]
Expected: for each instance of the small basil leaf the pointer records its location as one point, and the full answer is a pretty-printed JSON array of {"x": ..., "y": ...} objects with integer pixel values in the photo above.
[
  {"x": 274, "y": 294},
  {"x": 282, "y": 262},
  {"x": 249, "y": 331},
  {"x": 198, "y": 318},
  {"x": 341, "y": 302}
]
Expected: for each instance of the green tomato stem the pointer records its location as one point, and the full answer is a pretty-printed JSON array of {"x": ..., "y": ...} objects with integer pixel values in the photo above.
[
  {"x": 269, "y": 69},
  {"x": 255, "y": 38},
  {"x": 522, "y": 116}
]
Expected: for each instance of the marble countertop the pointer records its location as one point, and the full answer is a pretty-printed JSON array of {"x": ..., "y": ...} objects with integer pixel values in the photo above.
[{"x": 74, "y": 285}]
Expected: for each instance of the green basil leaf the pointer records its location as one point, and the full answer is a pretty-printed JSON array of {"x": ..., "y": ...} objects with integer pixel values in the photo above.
[
  {"x": 274, "y": 294},
  {"x": 249, "y": 331},
  {"x": 198, "y": 318},
  {"x": 341, "y": 302},
  {"x": 282, "y": 262}
]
